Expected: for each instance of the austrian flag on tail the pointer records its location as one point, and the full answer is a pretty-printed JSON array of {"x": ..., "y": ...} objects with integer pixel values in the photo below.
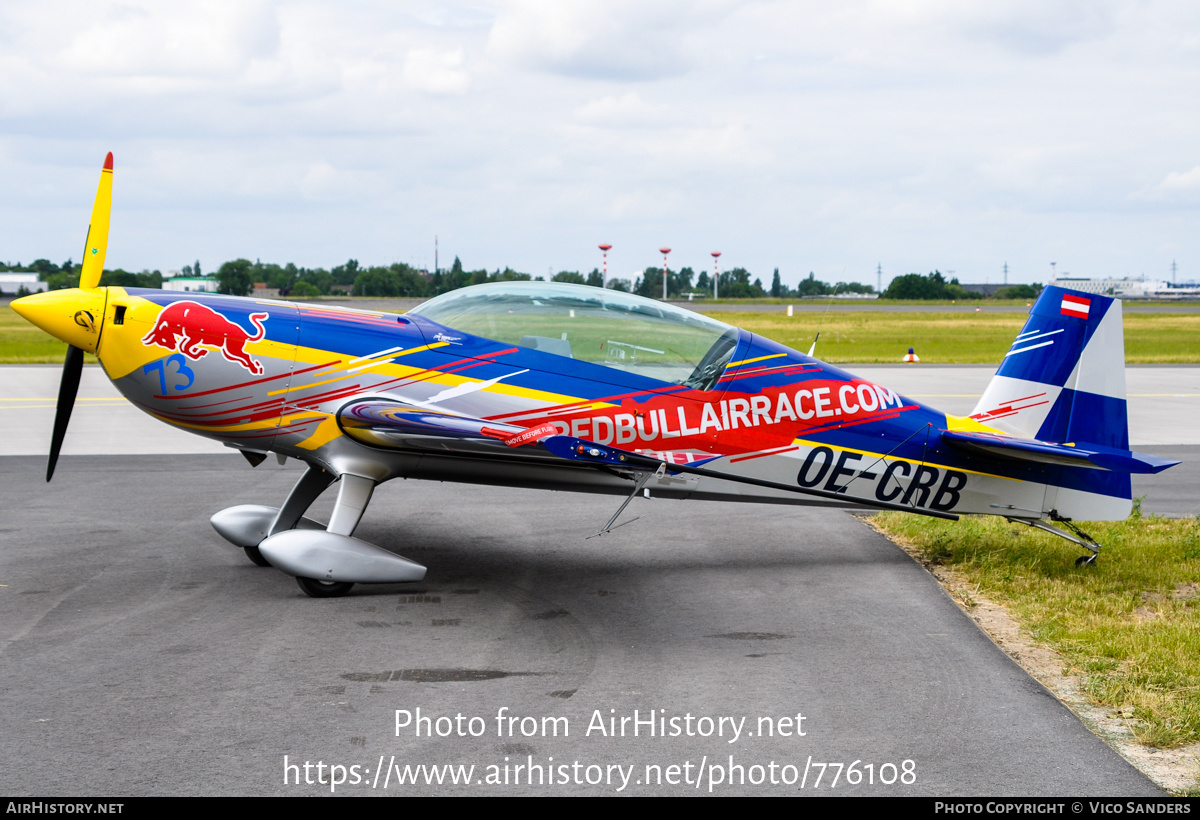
[{"x": 1075, "y": 306}]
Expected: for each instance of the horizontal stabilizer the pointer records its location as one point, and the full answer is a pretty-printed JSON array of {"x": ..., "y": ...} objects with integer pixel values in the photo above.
[{"x": 1092, "y": 456}]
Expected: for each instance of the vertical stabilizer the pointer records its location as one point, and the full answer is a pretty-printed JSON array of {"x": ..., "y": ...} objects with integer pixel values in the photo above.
[{"x": 1063, "y": 379}]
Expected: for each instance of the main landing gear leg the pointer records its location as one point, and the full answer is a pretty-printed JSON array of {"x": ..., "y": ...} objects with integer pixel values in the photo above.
[
  {"x": 1075, "y": 536},
  {"x": 307, "y": 489},
  {"x": 354, "y": 493},
  {"x": 311, "y": 484}
]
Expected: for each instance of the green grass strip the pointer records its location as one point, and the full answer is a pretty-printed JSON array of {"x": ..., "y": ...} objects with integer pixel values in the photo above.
[
  {"x": 1130, "y": 625},
  {"x": 953, "y": 338}
]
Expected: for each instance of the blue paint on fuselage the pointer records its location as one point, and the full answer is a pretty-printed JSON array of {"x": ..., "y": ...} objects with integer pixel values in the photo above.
[{"x": 913, "y": 433}]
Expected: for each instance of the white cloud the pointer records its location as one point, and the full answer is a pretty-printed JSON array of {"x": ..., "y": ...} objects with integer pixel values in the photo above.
[
  {"x": 626, "y": 110},
  {"x": 434, "y": 72},
  {"x": 1176, "y": 189},
  {"x": 208, "y": 38},
  {"x": 1186, "y": 181},
  {"x": 324, "y": 183},
  {"x": 621, "y": 40},
  {"x": 1039, "y": 28},
  {"x": 787, "y": 132}
]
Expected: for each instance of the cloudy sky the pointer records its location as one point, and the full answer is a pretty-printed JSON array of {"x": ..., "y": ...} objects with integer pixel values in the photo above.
[{"x": 808, "y": 136}]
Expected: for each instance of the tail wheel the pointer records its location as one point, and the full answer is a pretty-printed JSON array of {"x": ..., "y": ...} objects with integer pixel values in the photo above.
[{"x": 323, "y": 589}]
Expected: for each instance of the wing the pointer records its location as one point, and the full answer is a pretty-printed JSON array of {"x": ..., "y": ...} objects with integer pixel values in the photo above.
[
  {"x": 395, "y": 425},
  {"x": 581, "y": 451}
]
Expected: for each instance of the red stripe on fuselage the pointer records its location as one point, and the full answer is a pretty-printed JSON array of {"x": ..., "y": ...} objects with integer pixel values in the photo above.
[
  {"x": 562, "y": 409},
  {"x": 246, "y": 384}
]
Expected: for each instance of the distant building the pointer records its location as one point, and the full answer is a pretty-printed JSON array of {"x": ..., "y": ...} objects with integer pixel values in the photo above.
[
  {"x": 986, "y": 290},
  {"x": 1127, "y": 288},
  {"x": 1188, "y": 290},
  {"x": 191, "y": 284},
  {"x": 11, "y": 283}
]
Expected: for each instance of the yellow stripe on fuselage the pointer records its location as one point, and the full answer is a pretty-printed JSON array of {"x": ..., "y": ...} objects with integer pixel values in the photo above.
[
  {"x": 324, "y": 433},
  {"x": 396, "y": 370},
  {"x": 264, "y": 424},
  {"x": 322, "y": 355},
  {"x": 966, "y": 424},
  {"x": 886, "y": 457},
  {"x": 751, "y": 361}
]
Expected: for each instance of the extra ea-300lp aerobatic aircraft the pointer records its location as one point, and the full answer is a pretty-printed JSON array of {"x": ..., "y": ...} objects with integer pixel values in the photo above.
[{"x": 568, "y": 387}]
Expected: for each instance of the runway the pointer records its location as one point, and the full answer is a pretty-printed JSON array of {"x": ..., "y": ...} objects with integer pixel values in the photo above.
[{"x": 143, "y": 655}]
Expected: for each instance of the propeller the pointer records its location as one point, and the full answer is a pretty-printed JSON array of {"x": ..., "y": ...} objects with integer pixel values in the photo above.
[
  {"x": 76, "y": 315},
  {"x": 67, "y": 390}
]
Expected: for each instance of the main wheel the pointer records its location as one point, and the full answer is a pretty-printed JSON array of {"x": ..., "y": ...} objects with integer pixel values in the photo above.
[
  {"x": 257, "y": 557},
  {"x": 323, "y": 589},
  {"x": 1086, "y": 560}
]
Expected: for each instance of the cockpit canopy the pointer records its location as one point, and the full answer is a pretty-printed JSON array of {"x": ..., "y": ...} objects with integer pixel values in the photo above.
[{"x": 591, "y": 324}]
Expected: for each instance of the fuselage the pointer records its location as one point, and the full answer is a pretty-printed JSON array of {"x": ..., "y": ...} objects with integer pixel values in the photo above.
[{"x": 271, "y": 376}]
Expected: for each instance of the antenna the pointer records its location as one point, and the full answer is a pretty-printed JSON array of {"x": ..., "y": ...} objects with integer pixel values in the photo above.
[
  {"x": 879, "y": 278},
  {"x": 1006, "y": 273},
  {"x": 1172, "y": 272}
]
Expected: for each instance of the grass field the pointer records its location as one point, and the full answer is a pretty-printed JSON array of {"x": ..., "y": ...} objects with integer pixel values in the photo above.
[
  {"x": 22, "y": 343},
  {"x": 1130, "y": 625},
  {"x": 866, "y": 337},
  {"x": 959, "y": 338}
]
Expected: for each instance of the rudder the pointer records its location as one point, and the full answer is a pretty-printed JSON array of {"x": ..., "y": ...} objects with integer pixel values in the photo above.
[{"x": 1063, "y": 378}]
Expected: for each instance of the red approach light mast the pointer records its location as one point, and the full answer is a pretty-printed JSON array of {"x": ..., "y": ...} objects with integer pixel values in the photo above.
[
  {"x": 664, "y": 252},
  {"x": 604, "y": 249}
]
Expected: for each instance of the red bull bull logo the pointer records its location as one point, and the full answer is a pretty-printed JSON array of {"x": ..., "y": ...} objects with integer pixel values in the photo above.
[{"x": 192, "y": 328}]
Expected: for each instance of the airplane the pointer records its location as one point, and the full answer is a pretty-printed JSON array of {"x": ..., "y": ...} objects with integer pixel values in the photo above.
[{"x": 569, "y": 387}]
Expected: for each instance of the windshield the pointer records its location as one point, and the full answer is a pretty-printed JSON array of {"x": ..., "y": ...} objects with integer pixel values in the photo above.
[{"x": 590, "y": 324}]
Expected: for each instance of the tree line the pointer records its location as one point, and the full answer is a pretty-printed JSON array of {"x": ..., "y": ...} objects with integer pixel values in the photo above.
[
  {"x": 239, "y": 276},
  {"x": 66, "y": 275},
  {"x": 400, "y": 279},
  {"x": 913, "y": 286}
]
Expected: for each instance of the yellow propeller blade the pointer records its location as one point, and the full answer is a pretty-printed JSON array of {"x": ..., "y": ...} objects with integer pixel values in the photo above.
[{"x": 97, "y": 238}]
